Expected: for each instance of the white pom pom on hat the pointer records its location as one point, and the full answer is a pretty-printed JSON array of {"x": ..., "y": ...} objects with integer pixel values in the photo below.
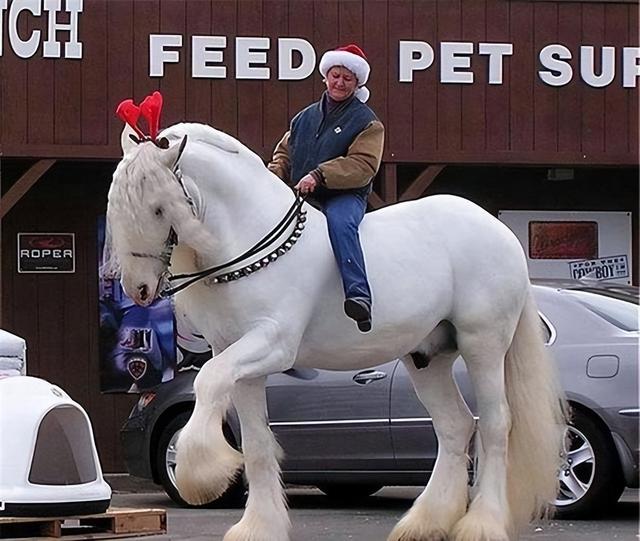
[{"x": 353, "y": 58}]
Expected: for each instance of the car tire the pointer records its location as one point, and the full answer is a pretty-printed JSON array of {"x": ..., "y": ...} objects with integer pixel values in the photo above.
[
  {"x": 591, "y": 479},
  {"x": 349, "y": 493},
  {"x": 165, "y": 466}
]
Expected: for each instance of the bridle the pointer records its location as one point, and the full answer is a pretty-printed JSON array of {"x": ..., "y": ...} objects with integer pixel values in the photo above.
[{"x": 295, "y": 213}]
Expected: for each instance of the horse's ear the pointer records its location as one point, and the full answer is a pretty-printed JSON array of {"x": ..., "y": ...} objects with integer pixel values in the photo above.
[
  {"x": 173, "y": 153},
  {"x": 127, "y": 142}
]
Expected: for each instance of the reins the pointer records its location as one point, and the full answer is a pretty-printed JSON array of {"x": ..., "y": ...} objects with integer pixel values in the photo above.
[{"x": 295, "y": 212}]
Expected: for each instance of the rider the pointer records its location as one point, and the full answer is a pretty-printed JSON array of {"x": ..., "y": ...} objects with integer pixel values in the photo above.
[{"x": 333, "y": 148}]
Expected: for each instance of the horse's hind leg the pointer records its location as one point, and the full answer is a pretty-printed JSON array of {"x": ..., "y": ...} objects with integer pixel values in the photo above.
[
  {"x": 488, "y": 517},
  {"x": 265, "y": 517},
  {"x": 444, "y": 500}
]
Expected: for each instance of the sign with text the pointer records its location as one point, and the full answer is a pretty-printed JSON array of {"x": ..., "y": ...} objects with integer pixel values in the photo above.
[
  {"x": 605, "y": 268},
  {"x": 46, "y": 252},
  {"x": 574, "y": 245}
]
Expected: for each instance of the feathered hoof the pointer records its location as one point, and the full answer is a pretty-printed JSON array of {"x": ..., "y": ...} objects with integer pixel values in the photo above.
[
  {"x": 202, "y": 477},
  {"x": 406, "y": 531},
  {"x": 254, "y": 530},
  {"x": 474, "y": 527}
]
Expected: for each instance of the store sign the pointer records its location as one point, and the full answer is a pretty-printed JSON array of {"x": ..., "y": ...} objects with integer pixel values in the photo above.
[
  {"x": 458, "y": 62},
  {"x": 46, "y": 252},
  {"x": 61, "y": 23},
  {"x": 606, "y": 268},
  {"x": 574, "y": 244}
]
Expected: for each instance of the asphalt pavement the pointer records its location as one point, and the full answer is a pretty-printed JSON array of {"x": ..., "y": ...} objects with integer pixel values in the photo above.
[{"x": 316, "y": 517}]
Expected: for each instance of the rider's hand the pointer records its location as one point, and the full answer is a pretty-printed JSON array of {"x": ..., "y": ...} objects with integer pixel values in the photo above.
[{"x": 306, "y": 185}]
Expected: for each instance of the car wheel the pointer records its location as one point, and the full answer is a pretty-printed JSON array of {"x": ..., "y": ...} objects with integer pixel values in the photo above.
[
  {"x": 590, "y": 477},
  {"x": 349, "y": 493},
  {"x": 165, "y": 460}
]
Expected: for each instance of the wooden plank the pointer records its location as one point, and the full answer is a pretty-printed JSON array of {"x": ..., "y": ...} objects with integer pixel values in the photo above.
[
  {"x": 375, "y": 201},
  {"x": 399, "y": 122},
  {"x": 325, "y": 36},
  {"x": 276, "y": 95},
  {"x": 497, "y": 96},
  {"x": 390, "y": 182},
  {"x": 173, "y": 84},
  {"x": 146, "y": 21},
  {"x": 40, "y": 91},
  {"x": 425, "y": 83},
  {"x": 449, "y": 94},
  {"x": 224, "y": 91},
  {"x": 250, "y": 92},
  {"x": 14, "y": 71},
  {"x": 198, "y": 90},
  {"x": 350, "y": 16},
  {"x": 418, "y": 187},
  {"x": 23, "y": 185},
  {"x": 570, "y": 95},
  {"x": 632, "y": 97},
  {"x": 473, "y": 123},
  {"x": 67, "y": 107},
  {"x": 593, "y": 104},
  {"x": 120, "y": 73},
  {"x": 545, "y": 97},
  {"x": 95, "y": 111},
  {"x": 520, "y": 157},
  {"x": 301, "y": 93},
  {"x": 521, "y": 76},
  {"x": 617, "y": 116},
  {"x": 112, "y": 524}
]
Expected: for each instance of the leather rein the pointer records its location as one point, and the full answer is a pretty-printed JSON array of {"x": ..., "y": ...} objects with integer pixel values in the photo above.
[{"x": 295, "y": 214}]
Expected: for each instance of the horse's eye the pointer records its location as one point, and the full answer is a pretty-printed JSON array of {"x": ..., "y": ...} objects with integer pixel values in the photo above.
[{"x": 159, "y": 212}]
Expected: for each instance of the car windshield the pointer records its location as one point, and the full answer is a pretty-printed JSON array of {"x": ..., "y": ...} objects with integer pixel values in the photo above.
[{"x": 619, "y": 310}]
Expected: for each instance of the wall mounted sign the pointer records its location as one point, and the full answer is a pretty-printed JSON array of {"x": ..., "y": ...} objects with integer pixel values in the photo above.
[
  {"x": 574, "y": 244},
  {"x": 46, "y": 252}
]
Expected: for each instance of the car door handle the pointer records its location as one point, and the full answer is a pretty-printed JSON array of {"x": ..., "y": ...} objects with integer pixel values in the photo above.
[{"x": 368, "y": 376}]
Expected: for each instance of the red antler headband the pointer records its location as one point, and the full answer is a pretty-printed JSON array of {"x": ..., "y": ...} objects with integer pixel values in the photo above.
[{"x": 150, "y": 109}]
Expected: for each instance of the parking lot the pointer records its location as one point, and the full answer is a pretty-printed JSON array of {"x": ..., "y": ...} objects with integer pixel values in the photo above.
[{"x": 317, "y": 518}]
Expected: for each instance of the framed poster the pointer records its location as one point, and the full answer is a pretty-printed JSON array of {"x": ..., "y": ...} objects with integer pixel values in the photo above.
[{"x": 46, "y": 252}]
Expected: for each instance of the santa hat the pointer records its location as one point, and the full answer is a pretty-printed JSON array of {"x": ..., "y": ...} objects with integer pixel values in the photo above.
[{"x": 351, "y": 57}]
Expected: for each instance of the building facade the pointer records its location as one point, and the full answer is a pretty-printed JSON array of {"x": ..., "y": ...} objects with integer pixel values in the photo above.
[{"x": 519, "y": 105}]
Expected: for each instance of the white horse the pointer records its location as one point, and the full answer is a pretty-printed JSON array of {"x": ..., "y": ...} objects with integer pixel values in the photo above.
[{"x": 447, "y": 279}]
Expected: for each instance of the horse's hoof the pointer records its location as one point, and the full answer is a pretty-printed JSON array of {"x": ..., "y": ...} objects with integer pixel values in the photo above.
[
  {"x": 411, "y": 533},
  {"x": 201, "y": 481}
]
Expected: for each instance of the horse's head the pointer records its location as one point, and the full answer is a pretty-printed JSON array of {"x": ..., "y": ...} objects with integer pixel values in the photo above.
[{"x": 146, "y": 208}]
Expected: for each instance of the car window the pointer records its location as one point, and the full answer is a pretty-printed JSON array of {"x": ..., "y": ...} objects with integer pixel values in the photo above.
[{"x": 621, "y": 313}]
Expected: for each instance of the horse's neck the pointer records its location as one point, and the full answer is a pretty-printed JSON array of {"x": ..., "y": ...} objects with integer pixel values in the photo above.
[{"x": 237, "y": 202}]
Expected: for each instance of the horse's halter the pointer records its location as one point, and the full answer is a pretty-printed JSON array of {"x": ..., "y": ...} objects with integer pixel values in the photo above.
[
  {"x": 165, "y": 255},
  {"x": 295, "y": 212}
]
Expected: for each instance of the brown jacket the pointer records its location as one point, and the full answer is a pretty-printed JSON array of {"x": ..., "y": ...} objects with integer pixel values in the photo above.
[{"x": 354, "y": 170}]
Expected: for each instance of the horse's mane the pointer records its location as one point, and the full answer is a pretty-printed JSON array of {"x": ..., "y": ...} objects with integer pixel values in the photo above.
[{"x": 143, "y": 177}]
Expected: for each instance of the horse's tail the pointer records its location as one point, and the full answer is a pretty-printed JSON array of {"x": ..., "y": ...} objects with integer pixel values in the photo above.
[{"x": 538, "y": 417}]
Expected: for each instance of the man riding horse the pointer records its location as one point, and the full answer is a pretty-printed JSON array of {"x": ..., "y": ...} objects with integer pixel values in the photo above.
[{"x": 333, "y": 148}]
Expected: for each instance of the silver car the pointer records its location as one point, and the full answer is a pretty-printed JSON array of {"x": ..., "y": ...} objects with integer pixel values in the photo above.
[{"x": 350, "y": 433}]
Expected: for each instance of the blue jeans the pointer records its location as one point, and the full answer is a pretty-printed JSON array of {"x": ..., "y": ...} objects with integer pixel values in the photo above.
[{"x": 344, "y": 213}]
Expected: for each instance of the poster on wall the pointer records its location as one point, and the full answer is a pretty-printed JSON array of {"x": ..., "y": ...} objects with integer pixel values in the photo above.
[
  {"x": 46, "y": 253},
  {"x": 142, "y": 347},
  {"x": 575, "y": 245}
]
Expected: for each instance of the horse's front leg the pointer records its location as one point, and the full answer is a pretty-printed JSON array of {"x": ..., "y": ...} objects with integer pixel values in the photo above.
[
  {"x": 205, "y": 463},
  {"x": 265, "y": 517}
]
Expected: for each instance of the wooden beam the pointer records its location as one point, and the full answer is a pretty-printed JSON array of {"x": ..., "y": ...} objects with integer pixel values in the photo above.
[
  {"x": 375, "y": 201},
  {"x": 421, "y": 183},
  {"x": 390, "y": 183},
  {"x": 23, "y": 185}
]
